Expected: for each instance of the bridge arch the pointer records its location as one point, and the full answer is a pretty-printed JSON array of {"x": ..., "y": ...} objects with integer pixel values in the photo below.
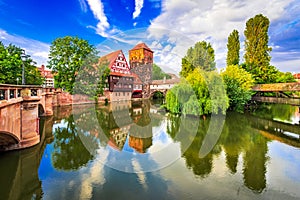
[
  {"x": 156, "y": 94},
  {"x": 7, "y": 139}
]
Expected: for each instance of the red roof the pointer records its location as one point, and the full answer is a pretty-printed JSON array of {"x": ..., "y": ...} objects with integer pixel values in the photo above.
[
  {"x": 297, "y": 76},
  {"x": 46, "y": 73},
  {"x": 141, "y": 46},
  {"x": 111, "y": 57}
]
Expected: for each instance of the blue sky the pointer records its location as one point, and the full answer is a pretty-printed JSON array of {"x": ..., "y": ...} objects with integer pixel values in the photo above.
[{"x": 169, "y": 27}]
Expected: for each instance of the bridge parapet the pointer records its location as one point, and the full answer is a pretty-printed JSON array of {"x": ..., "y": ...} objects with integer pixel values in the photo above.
[{"x": 277, "y": 87}]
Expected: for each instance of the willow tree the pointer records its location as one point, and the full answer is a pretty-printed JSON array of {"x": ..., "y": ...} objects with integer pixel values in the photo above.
[
  {"x": 257, "y": 52},
  {"x": 233, "y": 48},
  {"x": 202, "y": 56}
]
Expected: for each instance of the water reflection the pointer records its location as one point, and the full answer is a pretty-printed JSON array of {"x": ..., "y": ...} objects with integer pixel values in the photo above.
[
  {"x": 69, "y": 153},
  {"x": 84, "y": 144},
  {"x": 19, "y": 169}
]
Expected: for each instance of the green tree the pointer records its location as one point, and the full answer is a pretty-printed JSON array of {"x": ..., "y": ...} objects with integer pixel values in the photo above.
[
  {"x": 257, "y": 52},
  {"x": 285, "y": 77},
  {"x": 11, "y": 65},
  {"x": 238, "y": 86},
  {"x": 158, "y": 73},
  {"x": 233, "y": 48},
  {"x": 202, "y": 93},
  {"x": 178, "y": 96},
  {"x": 202, "y": 55},
  {"x": 66, "y": 56},
  {"x": 92, "y": 77}
]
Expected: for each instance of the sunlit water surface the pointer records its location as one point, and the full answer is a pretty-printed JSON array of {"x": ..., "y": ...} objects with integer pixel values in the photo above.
[{"x": 131, "y": 151}]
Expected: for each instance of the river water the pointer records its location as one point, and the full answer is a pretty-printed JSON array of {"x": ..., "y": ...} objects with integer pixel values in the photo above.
[{"x": 129, "y": 150}]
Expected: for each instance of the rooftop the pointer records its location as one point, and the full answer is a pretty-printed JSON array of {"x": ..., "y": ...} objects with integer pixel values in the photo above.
[{"x": 141, "y": 46}]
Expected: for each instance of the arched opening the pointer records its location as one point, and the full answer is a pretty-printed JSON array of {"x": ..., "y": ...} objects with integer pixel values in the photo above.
[
  {"x": 137, "y": 94},
  {"x": 158, "y": 95},
  {"x": 41, "y": 110},
  {"x": 7, "y": 140}
]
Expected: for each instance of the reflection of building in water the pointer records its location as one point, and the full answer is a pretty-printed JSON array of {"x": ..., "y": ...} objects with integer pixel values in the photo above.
[
  {"x": 117, "y": 120},
  {"x": 141, "y": 131},
  {"x": 116, "y": 123},
  {"x": 140, "y": 144},
  {"x": 118, "y": 137}
]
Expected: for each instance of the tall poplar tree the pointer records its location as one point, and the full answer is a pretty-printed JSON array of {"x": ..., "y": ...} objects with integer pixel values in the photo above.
[
  {"x": 257, "y": 52},
  {"x": 233, "y": 46}
]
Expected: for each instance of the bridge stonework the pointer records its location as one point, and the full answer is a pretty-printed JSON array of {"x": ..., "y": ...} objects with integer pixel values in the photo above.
[{"x": 20, "y": 109}]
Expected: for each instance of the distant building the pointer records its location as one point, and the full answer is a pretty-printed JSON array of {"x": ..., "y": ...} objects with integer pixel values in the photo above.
[
  {"x": 164, "y": 84},
  {"x": 47, "y": 75},
  {"x": 297, "y": 77}
]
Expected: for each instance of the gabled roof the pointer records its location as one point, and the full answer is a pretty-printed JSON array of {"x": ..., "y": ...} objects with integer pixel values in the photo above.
[
  {"x": 111, "y": 57},
  {"x": 141, "y": 46}
]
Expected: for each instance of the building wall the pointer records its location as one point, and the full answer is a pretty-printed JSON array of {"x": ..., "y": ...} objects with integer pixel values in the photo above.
[
  {"x": 120, "y": 96},
  {"x": 141, "y": 63},
  {"x": 161, "y": 87}
]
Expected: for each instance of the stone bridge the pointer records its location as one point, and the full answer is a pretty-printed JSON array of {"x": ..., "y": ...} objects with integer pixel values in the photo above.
[
  {"x": 20, "y": 109},
  {"x": 163, "y": 85}
]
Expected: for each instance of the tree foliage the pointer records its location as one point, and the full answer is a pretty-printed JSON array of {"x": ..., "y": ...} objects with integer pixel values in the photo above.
[
  {"x": 66, "y": 56},
  {"x": 238, "y": 86},
  {"x": 285, "y": 77},
  {"x": 92, "y": 77},
  {"x": 233, "y": 48},
  {"x": 11, "y": 65},
  {"x": 202, "y": 93},
  {"x": 257, "y": 57},
  {"x": 202, "y": 55},
  {"x": 158, "y": 73}
]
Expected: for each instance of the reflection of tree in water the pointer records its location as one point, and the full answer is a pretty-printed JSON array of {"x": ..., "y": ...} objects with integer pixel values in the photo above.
[
  {"x": 282, "y": 112},
  {"x": 233, "y": 138},
  {"x": 192, "y": 144},
  {"x": 255, "y": 163},
  {"x": 69, "y": 152},
  {"x": 238, "y": 137}
]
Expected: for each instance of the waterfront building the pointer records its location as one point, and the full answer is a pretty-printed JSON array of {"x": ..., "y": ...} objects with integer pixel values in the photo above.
[
  {"x": 120, "y": 79},
  {"x": 47, "y": 75},
  {"x": 129, "y": 81},
  {"x": 141, "y": 63}
]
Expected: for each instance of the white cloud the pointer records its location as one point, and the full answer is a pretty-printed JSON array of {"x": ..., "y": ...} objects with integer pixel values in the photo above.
[
  {"x": 138, "y": 7},
  {"x": 83, "y": 5},
  {"x": 98, "y": 10},
  {"x": 213, "y": 21},
  {"x": 36, "y": 49}
]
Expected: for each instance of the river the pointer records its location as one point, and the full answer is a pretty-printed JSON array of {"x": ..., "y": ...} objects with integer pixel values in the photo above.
[{"x": 129, "y": 150}]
